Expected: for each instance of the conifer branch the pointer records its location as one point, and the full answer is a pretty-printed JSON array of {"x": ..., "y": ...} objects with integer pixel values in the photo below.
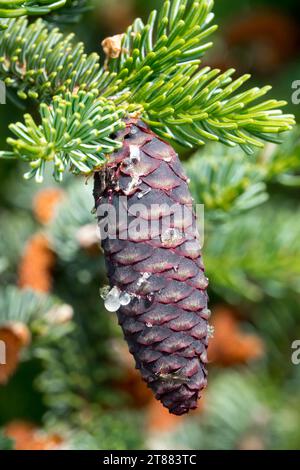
[
  {"x": 39, "y": 63},
  {"x": 16, "y": 8},
  {"x": 75, "y": 131},
  {"x": 159, "y": 64},
  {"x": 276, "y": 264},
  {"x": 228, "y": 184},
  {"x": 154, "y": 73},
  {"x": 70, "y": 13},
  {"x": 192, "y": 107},
  {"x": 176, "y": 36},
  {"x": 26, "y": 306}
]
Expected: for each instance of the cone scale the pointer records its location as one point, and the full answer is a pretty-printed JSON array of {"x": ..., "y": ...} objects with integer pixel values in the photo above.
[{"x": 157, "y": 281}]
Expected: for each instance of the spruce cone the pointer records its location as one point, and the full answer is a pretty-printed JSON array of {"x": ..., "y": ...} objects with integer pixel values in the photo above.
[{"x": 156, "y": 275}]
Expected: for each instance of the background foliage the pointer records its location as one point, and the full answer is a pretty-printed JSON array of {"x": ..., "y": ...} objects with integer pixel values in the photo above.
[{"x": 71, "y": 383}]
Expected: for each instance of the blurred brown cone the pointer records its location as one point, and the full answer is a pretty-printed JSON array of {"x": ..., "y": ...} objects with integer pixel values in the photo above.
[
  {"x": 45, "y": 203},
  {"x": 115, "y": 16},
  {"x": 269, "y": 38},
  {"x": 252, "y": 442},
  {"x": 27, "y": 436},
  {"x": 35, "y": 269},
  {"x": 13, "y": 337},
  {"x": 229, "y": 345}
]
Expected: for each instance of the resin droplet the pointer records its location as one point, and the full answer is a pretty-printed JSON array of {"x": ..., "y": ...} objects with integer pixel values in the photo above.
[
  {"x": 171, "y": 237},
  {"x": 125, "y": 298},
  {"x": 149, "y": 300},
  {"x": 205, "y": 313},
  {"x": 111, "y": 298},
  {"x": 203, "y": 282},
  {"x": 210, "y": 331},
  {"x": 114, "y": 298},
  {"x": 135, "y": 154},
  {"x": 104, "y": 291},
  {"x": 134, "y": 157},
  {"x": 143, "y": 193},
  {"x": 203, "y": 357},
  {"x": 143, "y": 279},
  {"x": 112, "y": 301},
  {"x": 168, "y": 158},
  {"x": 134, "y": 183}
]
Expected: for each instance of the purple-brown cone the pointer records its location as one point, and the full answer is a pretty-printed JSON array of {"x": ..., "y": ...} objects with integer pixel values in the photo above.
[{"x": 165, "y": 322}]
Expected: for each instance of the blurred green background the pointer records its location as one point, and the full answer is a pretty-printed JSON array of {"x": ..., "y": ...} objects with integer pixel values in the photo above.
[{"x": 72, "y": 383}]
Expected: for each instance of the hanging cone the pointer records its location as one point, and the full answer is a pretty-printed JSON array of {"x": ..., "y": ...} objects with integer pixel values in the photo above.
[
  {"x": 35, "y": 269},
  {"x": 229, "y": 345},
  {"x": 45, "y": 203},
  {"x": 13, "y": 337},
  {"x": 27, "y": 436},
  {"x": 158, "y": 286}
]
